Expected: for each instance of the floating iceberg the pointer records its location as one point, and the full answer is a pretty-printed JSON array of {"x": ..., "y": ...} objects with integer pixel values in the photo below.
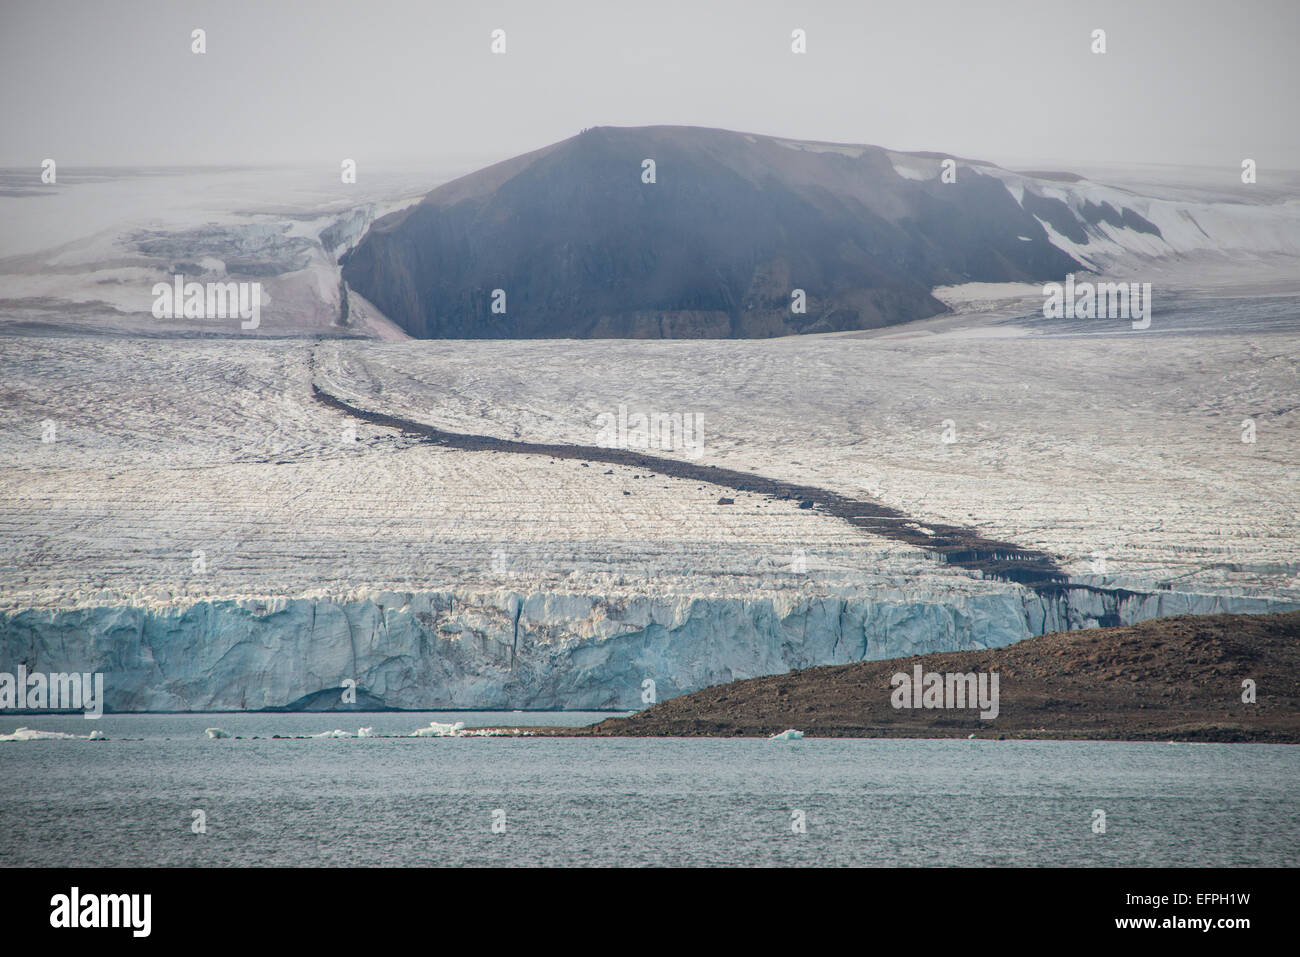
[
  {"x": 436, "y": 730},
  {"x": 365, "y": 732},
  {"x": 336, "y": 733},
  {"x": 27, "y": 734},
  {"x": 216, "y": 733},
  {"x": 790, "y": 734}
]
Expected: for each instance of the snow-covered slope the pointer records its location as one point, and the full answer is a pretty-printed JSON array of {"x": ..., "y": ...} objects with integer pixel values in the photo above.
[
  {"x": 1213, "y": 214},
  {"x": 86, "y": 251}
]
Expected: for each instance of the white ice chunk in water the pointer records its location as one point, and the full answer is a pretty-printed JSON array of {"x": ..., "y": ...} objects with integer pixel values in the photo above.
[
  {"x": 790, "y": 734},
  {"x": 436, "y": 730},
  {"x": 28, "y": 734},
  {"x": 216, "y": 733}
]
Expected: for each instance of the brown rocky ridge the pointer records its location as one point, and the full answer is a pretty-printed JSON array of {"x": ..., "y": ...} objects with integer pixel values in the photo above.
[{"x": 1168, "y": 679}]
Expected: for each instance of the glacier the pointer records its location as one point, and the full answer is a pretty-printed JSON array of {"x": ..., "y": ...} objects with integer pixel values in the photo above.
[{"x": 506, "y": 649}]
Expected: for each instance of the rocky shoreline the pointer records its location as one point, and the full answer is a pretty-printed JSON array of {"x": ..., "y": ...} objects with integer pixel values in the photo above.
[{"x": 1169, "y": 679}]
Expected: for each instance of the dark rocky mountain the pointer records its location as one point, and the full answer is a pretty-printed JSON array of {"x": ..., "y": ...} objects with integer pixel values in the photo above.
[{"x": 582, "y": 247}]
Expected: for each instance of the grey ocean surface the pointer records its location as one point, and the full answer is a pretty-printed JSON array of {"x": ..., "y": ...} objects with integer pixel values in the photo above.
[{"x": 430, "y": 801}]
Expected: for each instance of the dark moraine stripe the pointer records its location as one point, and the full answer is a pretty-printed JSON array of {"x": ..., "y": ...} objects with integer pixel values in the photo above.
[{"x": 954, "y": 544}]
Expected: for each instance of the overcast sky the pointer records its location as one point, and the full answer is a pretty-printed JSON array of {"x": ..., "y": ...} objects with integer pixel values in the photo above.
[{"x": 1189, "y": 82}]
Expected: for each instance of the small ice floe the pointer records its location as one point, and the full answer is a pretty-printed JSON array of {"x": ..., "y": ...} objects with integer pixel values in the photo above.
[
  {"x": 790, "y": 734},
  {"x": 97, "y": 736},
  {"x": 216, "y": 733},
  {"x": 336, "y": 733},
  {"x": 436, "y": 730},
  {"x": 365, "y": 732},
  {"x": 27, "y": 734}
]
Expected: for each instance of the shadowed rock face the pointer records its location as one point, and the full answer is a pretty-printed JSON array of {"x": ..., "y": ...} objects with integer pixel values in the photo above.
[{"x": 583, "y": 248}]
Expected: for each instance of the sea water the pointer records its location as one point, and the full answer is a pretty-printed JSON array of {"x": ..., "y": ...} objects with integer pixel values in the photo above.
[{"x": 505, "y": 801}]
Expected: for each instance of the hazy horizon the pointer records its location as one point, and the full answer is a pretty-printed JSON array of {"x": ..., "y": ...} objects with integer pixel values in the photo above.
[{"x": 298, "y": 83}]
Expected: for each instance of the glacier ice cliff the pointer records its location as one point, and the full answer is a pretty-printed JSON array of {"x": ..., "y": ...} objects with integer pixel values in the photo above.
[{"x": 512, "y": 649}]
